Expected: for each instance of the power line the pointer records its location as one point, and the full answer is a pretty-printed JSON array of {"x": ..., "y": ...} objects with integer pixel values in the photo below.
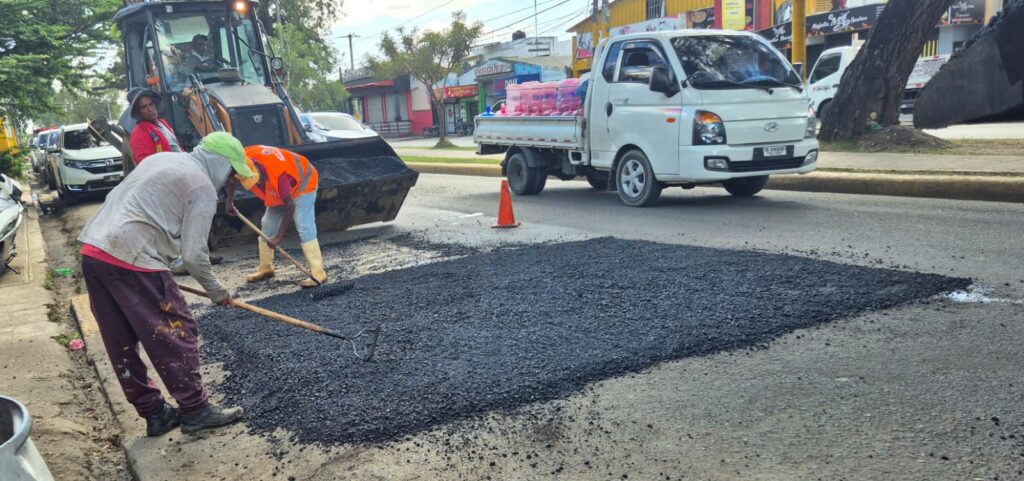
[
  {"x": 517, "y": 11},
  {"x": 527, "y": 18},
  {"x": 428, "y": 12}
]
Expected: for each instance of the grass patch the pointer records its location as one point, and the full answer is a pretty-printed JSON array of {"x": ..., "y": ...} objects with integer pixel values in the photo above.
[
  {"x": 957, "y": 147},
  {"x": 48, "y": 281},
  {"x": 66, "y": 338},
  {"x": 450, "y": 146},
  {"x": 54, "y": 313},
  {"x": 447, "y": 160}
]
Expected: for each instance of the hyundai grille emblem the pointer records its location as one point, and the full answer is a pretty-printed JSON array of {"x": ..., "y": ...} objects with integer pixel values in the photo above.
[{"x": 771, "y": 127}]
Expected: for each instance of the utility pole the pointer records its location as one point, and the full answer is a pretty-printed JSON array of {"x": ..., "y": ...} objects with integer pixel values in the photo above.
[
  {"x": 799, "y": 24},
  {"x": 536, "y": 31},
  {"x": 351, "y": 56}
]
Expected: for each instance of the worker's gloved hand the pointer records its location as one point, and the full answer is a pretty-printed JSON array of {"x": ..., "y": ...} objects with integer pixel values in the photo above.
[
  {"x": 227, "y": 302},
  {"x": 274, "y": 241},
  {"x": 230, "y": 209}
]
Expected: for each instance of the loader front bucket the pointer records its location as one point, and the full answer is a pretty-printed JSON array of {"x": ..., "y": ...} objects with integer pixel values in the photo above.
[{"x": 361, "y": 181}]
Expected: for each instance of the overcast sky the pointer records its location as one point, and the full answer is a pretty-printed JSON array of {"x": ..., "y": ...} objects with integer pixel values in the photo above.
[{"x": 369, "y": 18}]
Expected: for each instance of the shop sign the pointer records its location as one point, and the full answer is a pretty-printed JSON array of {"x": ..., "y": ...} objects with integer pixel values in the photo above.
[
  {"x": 964, "y": 12},
  {"x": 493, "y": 69},
  {"x": 499, "y": 86},
  {"x": 585, "y": 45},
  {"x": 461, "y": 91},
  {"x": 841, "y": 21},
  {"x": 779, "y": 35},
  {"x": 734, "y": 14},
  {"x": 703, "y": 18},
  {"x": 656, "y": 25}
]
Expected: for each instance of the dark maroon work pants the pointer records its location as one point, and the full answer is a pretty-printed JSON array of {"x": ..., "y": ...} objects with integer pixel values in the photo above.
[{"x": 147, "y": 308}]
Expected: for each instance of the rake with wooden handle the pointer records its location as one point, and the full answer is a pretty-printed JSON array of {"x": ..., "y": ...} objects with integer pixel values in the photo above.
[
  {"x": 373, "y": 333},
  {"x": 321, "y": 291}
]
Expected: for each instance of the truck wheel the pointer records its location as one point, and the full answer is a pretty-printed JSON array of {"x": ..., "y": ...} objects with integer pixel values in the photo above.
[
  {"x": 745, "y": 186},
  {"x": 823, "y": 111},
  {"x": 523, "y": 179},
  {"x": 598, "y": 179},
  {"x": 636, "y": 183}
]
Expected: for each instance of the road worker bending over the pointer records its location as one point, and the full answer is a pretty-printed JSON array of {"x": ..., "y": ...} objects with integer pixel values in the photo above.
[{"x": 287, "y": 183}]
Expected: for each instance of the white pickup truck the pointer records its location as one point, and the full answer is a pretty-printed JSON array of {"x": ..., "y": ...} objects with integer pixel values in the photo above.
[{"x": 682, "y": 108}]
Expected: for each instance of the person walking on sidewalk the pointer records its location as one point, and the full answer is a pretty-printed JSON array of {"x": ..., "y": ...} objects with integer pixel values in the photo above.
[
  {"x": 162, "y": 211},
  {"x": 287, "y": 183}
]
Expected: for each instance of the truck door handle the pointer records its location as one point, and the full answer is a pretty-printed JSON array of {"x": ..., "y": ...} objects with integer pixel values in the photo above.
[{"x": 608, "y": 108}]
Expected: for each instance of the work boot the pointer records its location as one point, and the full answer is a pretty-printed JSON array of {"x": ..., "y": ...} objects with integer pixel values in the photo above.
[
  {"x": 266, "y": 268},
  {"x": 211, "y": 417},
  {"x": 214, "y": 260},
  {"x": 160, "y": 424},
  {"x": 311, "y": 250}
]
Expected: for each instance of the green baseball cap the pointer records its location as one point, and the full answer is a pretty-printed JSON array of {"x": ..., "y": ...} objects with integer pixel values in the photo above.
[{"x": 227, "y": 145}]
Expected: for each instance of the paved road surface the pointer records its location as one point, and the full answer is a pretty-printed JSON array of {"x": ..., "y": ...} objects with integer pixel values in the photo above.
[
  {"x": 922, "y": 392},
  {"x": 970, "y": 239}
]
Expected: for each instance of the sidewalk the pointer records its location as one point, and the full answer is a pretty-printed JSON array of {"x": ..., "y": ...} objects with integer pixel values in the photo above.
[
  {"x": 994, "y": 178},
  {"x": 40, "y": 373}
]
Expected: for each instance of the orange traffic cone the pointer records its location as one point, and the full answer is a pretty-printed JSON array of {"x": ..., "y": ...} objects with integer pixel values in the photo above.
[{"x": 506, "y": 218}]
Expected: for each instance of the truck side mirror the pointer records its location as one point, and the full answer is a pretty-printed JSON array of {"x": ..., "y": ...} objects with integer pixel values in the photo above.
[{"x": 663, "y": 81}]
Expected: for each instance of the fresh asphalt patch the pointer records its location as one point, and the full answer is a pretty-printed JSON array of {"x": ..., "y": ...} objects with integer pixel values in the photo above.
[{"x": 501, "y": 330}]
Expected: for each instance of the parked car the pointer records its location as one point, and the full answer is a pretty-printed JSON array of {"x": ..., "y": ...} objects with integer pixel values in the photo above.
[
  {"x": 82, "y": 164},
  {"x": 328, "y": 126},
  {"x": 39, "y": 144},
  {"x": 50, "y": 149},
  {"x": 823, "y": 83}
]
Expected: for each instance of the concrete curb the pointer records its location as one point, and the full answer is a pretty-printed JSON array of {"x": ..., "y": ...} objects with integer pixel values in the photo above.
[{"x": 954, "y": 186}]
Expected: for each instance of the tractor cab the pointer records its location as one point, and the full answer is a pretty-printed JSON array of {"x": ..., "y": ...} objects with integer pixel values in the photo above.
[{"x": 208, "y": 62}]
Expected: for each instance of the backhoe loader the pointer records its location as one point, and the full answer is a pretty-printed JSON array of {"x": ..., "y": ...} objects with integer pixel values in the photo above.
[{"x": 236, "y": 85}]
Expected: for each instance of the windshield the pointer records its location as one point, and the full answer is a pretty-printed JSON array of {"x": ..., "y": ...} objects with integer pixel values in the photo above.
[
  {"x": 335, "y": 122},
  {"x": 732, "y": 62},
  {"x": 203, "y": 43},
  {"x": 52, "y": 140},
  {"x": 81, "y": 139}
]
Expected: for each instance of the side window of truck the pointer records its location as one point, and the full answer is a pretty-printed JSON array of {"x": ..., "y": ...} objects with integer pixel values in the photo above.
[
  {"x": 638, "y": 61},
  {"x": 610, "y": 60},
  {"x": 825, "y": 67}
]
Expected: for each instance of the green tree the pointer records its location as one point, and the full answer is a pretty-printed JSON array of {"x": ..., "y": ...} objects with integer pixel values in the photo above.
[
  {"x": 429, "y": 57},
  {"x": 309, "y": 62},
  {"x": 314, "y": 15},
  {"x": 872, "y": 86},
  {"x": 48, "y": 41},
  {"x": 75, "y": 106}
]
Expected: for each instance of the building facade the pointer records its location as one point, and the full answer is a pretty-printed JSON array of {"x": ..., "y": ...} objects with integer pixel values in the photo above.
[
  {"x": 397, "y": 107},
  {"x": 830, "y": 23}
]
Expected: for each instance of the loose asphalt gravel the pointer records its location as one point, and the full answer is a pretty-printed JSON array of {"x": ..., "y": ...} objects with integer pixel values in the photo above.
[{"x": 500, "y": 330}]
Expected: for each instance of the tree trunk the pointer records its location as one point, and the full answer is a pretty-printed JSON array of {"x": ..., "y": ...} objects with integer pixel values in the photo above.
[
  {"x": 442, "y": 127},
  {"x": 872, "y": 87}
]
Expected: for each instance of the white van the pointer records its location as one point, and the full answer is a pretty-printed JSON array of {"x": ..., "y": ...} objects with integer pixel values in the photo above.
[{"x": 823, "y": 83}]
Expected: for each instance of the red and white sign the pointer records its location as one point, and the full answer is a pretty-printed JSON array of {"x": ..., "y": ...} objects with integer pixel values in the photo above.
[{"x": 461, "y": 91}]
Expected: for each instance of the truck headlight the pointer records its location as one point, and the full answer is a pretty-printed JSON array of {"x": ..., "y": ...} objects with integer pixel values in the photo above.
[
  {"x": 708, "y": 129},
  {"x": 812, "y": 124}
]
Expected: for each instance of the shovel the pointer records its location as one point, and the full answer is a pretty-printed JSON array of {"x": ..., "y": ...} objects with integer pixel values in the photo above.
[{"x": 373, "y": 333}]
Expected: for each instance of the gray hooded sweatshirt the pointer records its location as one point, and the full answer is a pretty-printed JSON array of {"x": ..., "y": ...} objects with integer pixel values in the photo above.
[{"x": 164, "y": 210}]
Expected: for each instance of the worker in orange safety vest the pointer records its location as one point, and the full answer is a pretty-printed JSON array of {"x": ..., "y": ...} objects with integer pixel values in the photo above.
[{"x": 287, "y": 183}]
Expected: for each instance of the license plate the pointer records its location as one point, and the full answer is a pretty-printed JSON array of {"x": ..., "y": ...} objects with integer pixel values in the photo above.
[
  {"x": 112, "y": 178},
  {"x": 774, "y": 151}
]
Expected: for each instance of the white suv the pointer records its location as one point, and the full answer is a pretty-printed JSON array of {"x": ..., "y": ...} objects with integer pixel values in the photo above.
[{"x": 83, "y": 164}]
